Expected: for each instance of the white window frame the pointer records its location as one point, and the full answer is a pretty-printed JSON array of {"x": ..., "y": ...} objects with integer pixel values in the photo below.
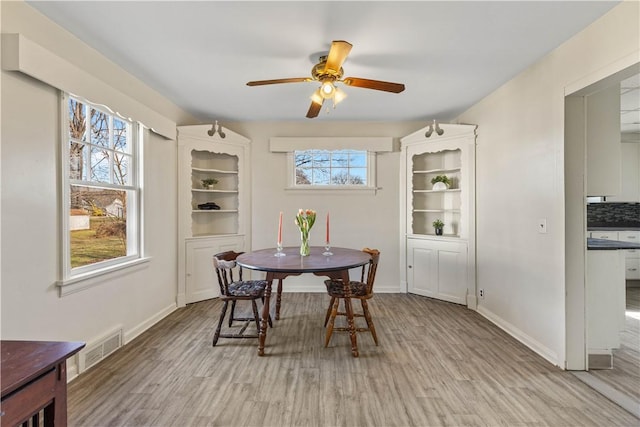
[
  {"x": 74, "y": 279},
  {"x": 369, "y": 186},
  {"x": 372, "y": 145}
]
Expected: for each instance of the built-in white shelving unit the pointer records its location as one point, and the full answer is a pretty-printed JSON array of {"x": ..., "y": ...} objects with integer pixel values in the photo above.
[
  {"x": 439, "y": 266},
  {"x": 205, "y": 232}
]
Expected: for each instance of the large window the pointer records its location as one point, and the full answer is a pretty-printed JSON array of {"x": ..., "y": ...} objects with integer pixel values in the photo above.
[
  {"x": 331, "y": 168},
  {"x": 101, "y": 189}
]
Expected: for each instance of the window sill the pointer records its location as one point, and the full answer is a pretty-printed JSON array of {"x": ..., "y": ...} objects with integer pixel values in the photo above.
[
  {"x": 97, "y": 277},
  {"x": 334, "y": 189}
]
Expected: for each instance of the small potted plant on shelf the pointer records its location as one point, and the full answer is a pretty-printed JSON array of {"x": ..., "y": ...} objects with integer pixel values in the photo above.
[
  {"x": 437, "y": 225},
  {"x": 441, "y": 182},
  {"x": 208, "y": 183}
]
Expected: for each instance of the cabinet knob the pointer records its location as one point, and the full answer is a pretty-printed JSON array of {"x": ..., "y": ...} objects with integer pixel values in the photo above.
[
  {"x": 632, "y": 269},
  {"x": 409, "y": 266}
]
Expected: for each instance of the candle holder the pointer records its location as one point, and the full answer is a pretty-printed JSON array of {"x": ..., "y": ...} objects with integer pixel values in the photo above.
[
  {"x": 279, "y": 252},
  {"x": 327, "y": 249}
]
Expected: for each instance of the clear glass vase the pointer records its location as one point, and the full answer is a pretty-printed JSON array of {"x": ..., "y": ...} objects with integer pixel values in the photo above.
[{"x": 304, "y": 244}]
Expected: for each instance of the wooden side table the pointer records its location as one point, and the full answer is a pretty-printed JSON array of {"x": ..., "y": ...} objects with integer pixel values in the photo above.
[{"x": 34, "y": 379}]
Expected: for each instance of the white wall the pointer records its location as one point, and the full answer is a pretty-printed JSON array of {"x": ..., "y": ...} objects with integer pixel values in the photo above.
[
  {"x": 31, "y": 308},
  {"x": 357, "y": 220},
  {"x": 520, "y": 179}
]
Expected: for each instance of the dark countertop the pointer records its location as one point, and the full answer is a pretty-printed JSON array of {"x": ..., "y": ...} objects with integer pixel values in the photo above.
[
  {"x": 603, "y": 244},
  {"x": 613, "y": 228}
]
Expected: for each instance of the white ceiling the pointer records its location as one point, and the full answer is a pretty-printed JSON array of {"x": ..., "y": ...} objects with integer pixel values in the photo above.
[{"x": 200, "y": 55}]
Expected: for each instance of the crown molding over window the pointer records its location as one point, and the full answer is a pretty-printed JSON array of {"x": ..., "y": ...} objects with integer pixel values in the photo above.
[
  {"x": 23, "y": 55},
  {"x": 371, "y": 144}
]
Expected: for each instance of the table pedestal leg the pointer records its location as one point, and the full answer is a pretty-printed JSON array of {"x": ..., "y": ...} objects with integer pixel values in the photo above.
[{"x": 265, "y": 315}]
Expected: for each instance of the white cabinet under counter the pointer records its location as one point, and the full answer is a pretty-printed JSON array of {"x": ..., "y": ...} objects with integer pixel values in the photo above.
[
  {"x": 631, "y": 256},
  {"x": 605, "y": 304}
]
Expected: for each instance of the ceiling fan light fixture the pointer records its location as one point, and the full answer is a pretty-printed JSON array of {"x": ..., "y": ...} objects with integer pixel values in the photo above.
[
  {"x": 327, "y": 90},
  {"x": 339, "y": 96}
]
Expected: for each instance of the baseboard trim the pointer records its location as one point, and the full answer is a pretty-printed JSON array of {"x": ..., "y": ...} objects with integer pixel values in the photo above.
[
  {"x": 132, "y": 333},
  {"x": 548, "y": 354},
  {"x": 322, "y": 289}
]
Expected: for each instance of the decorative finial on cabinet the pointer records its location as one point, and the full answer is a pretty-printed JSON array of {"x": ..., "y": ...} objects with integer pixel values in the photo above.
[
  {"x": 434, "y": 126},
  {"x": 216, "y": 129}
]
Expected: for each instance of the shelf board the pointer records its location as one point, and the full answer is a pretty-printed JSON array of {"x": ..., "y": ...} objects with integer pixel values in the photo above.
[
  {"x": 450, "y": 190},
  {"x": 203, "y": 190},
  {"x": 204, "y": 235},
  {"x": 214, "y": 211},
  {"x": 437, "y": 210},
  {"x": 434, "y": 236},
  {"x": 214, "y": 171},
  {"x": 437, "y": 171}
]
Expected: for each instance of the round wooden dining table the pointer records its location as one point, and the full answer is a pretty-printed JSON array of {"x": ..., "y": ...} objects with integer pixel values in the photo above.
[{"x": 335, "y": 266}]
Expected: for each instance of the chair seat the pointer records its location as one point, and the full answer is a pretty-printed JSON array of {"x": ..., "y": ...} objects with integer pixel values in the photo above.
[
  {"x": 247, "y": 288},
  {"x": 335, "y": 288}
]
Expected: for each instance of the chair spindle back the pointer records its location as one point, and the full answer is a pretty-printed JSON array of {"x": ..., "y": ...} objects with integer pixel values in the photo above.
[{"x": 225, "y": 264}]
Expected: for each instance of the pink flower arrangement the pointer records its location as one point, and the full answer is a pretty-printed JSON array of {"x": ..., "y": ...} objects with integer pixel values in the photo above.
[{"x": 305, "y": 219}]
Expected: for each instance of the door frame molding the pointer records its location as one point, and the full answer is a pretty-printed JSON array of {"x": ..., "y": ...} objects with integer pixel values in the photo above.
[{"x": 575, "y": 161}]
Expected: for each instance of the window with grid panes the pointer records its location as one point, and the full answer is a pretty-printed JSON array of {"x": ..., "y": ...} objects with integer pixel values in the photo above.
[
  {"x": 101, "y": 188},
  {"x": 331, "y": 168}
]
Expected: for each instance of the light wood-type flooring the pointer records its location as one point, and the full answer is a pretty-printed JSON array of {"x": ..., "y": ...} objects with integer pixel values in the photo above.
[
  {"x": 438, "y": 364},
  {"x": 625, "y": 375}
]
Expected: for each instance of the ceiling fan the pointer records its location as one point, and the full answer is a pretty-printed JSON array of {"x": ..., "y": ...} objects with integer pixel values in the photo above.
[{"x": 328, "y": 71}]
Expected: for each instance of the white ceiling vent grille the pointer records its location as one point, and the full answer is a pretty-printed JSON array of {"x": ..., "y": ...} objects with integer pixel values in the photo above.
[{"x": 99, "y": 349}]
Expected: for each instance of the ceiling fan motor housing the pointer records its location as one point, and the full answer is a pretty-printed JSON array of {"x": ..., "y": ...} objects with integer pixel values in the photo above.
[{"x": 318, "y": 72}]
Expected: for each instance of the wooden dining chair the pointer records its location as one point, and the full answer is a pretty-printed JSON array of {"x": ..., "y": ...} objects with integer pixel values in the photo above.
[
  {"x": 362, "y": 290},
  {"x": 232, "y": 290}
]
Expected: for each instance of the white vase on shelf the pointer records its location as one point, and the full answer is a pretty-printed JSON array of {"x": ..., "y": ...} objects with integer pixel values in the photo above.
[{"x": 439, "y": 186}]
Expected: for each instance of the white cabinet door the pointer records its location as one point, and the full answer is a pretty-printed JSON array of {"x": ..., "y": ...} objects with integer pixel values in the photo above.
[
  {"x": 437, "y": 269},
  {"x": 632, "y": 264},
  {"x": 201, "y": 280},
  {"x": 605, "y": 300},
  {"x": 604, "y": 153}
]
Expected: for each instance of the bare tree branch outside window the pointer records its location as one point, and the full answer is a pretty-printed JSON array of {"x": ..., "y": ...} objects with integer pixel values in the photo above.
[
  {"x": 99, "y": 154},
  {"x": 336, "y": 167}
]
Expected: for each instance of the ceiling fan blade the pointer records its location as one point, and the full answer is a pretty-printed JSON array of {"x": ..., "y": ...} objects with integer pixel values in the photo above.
[
  {"x": 337, "y": 54},
  {"x": 276, "y": 81},
  {"x": 314, "y": 110},
  {"x": 374, "y": 84}
]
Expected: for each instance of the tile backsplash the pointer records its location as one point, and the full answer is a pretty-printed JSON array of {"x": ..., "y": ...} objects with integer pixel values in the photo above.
[{"x": 613, "y": 214}]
